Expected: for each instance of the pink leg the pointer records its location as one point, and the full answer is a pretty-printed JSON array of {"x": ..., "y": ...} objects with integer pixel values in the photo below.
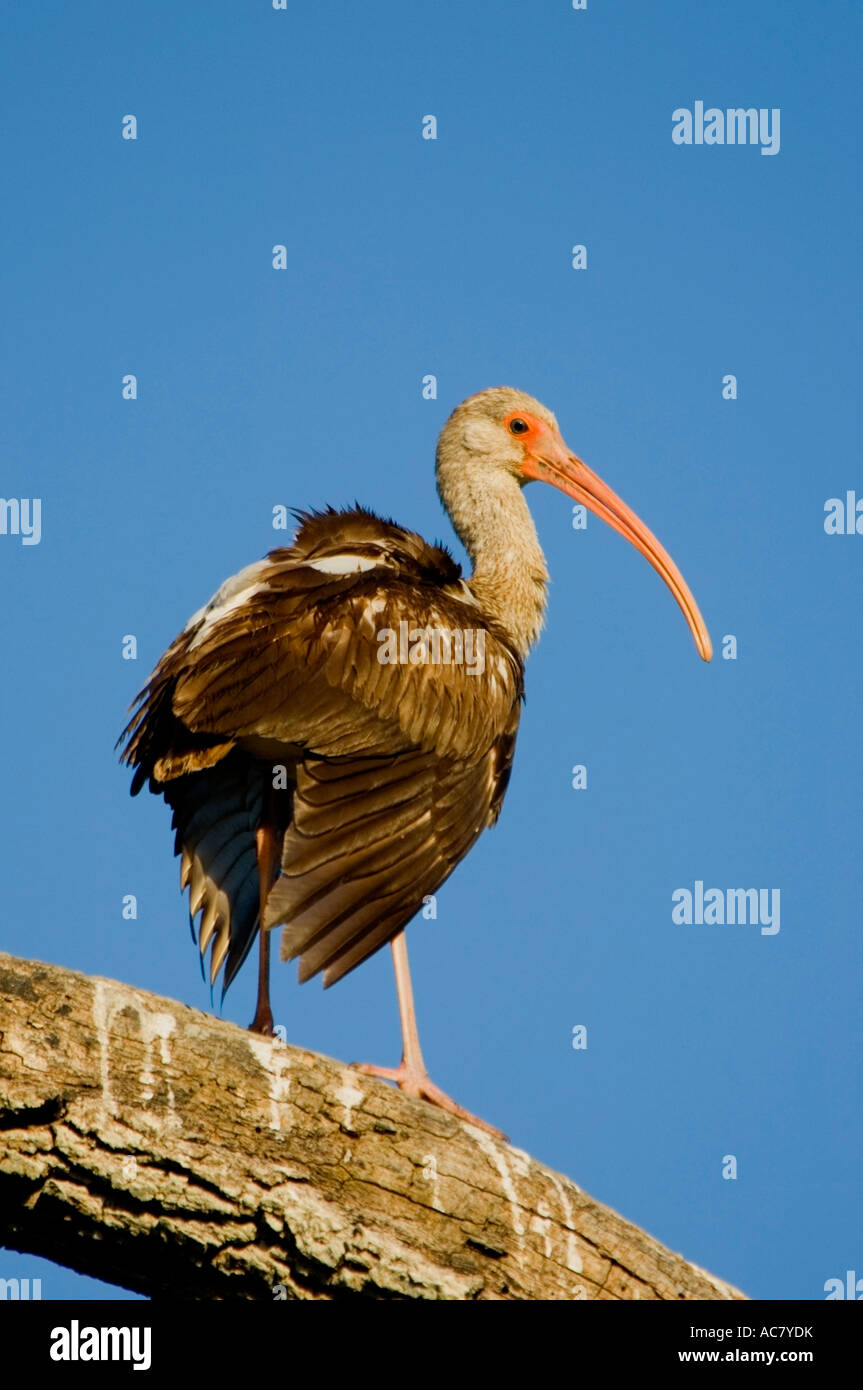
[{"x": 412, "y": 1077}]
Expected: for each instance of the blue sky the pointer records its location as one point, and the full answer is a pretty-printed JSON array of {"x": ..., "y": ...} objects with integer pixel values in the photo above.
[{"x": 303, "y": 387}]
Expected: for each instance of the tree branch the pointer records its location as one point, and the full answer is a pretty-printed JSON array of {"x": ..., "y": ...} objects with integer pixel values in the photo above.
[{"x": 164, "y": 1150}]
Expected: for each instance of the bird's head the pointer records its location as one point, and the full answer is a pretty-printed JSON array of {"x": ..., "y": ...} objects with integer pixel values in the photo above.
[{"x": 503, "y": 433}]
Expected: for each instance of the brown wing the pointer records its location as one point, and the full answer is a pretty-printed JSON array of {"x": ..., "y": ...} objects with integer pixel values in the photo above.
[
  {"x": 216, "y": 814},
  {"x": 370, "y": 839},
  {"x": 283, "y": 666}
]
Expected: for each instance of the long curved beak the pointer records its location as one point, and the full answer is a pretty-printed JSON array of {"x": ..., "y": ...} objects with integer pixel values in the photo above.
[{"x": 551, "y": 462}]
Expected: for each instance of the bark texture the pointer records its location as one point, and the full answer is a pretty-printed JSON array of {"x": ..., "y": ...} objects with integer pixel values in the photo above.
[{"x": 164, "y": 1150}]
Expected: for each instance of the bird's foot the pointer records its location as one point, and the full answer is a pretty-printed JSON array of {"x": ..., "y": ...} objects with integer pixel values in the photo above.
[
  {"x": 262, "y": 1023},
  {"x": 419, "y": 1084}
]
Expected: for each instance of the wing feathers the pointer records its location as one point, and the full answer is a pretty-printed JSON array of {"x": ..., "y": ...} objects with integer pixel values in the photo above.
[
  {"x": 394, "y": 766},
  {"x": 216, "y": 813},
  {"x": 351, "y": 880}
]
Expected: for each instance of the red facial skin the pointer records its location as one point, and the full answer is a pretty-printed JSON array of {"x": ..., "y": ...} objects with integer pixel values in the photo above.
[{"x": 547, "y": 459}]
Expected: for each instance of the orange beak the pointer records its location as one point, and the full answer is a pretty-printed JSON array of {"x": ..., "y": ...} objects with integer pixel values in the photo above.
[{"x": 548, "y": 460}]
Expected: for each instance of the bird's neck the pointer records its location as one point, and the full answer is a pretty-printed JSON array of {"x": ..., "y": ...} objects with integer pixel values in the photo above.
[{"x": 510, "y": 577}]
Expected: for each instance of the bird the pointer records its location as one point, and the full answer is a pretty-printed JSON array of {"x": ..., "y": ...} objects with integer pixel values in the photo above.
[{"x": 335, "y": 728}]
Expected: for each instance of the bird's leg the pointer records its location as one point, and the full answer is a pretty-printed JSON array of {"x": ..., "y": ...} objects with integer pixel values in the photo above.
[
  {"x": 267, "y": 850},
  {"x": 412, "y": 1077}
]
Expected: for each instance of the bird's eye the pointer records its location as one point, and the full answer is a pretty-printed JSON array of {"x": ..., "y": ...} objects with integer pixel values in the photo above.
[{"x": 518, "y": 426}]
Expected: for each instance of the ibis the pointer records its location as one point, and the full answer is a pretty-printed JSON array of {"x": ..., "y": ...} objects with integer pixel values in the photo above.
[{"x": 326, "y": 777}]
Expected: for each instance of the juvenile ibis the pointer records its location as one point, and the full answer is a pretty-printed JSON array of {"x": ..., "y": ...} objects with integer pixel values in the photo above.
[{"x": 329, "y": 753}]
